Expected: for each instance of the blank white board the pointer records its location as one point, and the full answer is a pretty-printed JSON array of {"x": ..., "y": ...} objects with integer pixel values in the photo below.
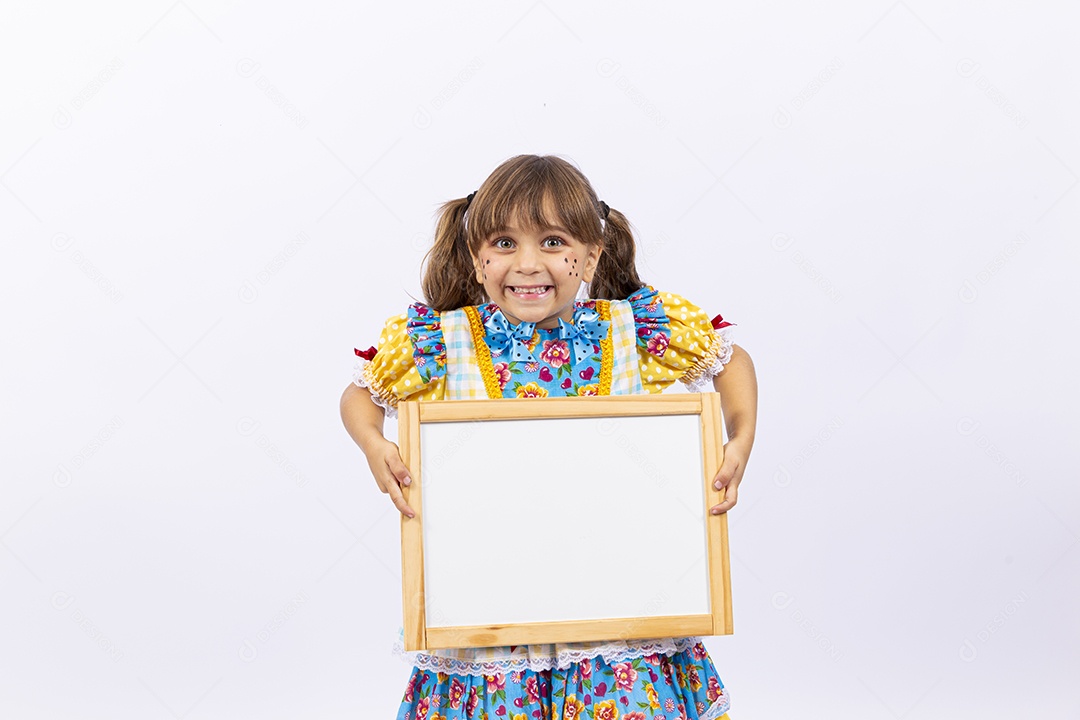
[{"x": 607, "y": 514}]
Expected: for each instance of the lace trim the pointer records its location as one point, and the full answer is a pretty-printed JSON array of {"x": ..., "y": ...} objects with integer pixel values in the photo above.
[
  {"x": 699, "y": 377},
  {"x": 381, "y": 397},
  {"x": 611, "y": 653},
  {"x": 718, "y": 708}
]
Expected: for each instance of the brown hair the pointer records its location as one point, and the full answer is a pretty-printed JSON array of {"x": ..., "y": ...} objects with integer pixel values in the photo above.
[{"x": 526, "y": 185}]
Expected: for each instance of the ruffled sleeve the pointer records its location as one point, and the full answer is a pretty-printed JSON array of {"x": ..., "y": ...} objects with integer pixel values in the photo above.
[
  {"x": 676, "y": 340},
  {"x": 409, "y": 363}
]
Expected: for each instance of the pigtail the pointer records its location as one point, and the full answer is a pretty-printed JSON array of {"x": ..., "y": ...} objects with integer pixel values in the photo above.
[
  {"x": 449, "y": 280},
  {"x": 616, "y": 275}
]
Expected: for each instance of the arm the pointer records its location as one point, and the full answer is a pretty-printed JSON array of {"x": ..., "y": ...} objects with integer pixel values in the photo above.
[
  {"x": 363, "y": 420},
  {"x": 737, "y": 385}
]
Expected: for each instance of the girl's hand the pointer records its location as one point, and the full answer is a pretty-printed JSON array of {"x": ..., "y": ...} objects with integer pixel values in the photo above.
[
  {"x": 730, "y": 475},
  {"x": 390, "y": 473}
]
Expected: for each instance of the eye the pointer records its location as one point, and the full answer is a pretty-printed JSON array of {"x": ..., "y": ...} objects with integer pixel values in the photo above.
[
  {"x": 503, "y": 243},
  {"x": 553, "y": 241}
]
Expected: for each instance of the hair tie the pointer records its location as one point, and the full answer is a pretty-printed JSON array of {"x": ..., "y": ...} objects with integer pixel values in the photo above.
[
  {"x": 604, "y": 209},
  {"x": 468, "y": 200}
]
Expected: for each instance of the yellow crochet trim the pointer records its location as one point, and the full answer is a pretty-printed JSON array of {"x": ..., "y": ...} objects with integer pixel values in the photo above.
[
  {"x": 706, "y": 361},
  {"x": 483, "y": 353},
  {"x": 607, "y": 356}
]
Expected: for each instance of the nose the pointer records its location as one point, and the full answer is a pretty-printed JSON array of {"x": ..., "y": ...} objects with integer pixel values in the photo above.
[{"x": 527, "y": 260}]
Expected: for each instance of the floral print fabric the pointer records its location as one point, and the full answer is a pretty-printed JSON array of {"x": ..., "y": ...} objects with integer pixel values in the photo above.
[
  {"x": 676, "y": 340},
  {"x": 549, "y": 370},
  {"x": 425, "y": 332},
  {"x": 532, "y": 362},
  {"x": 681, "y": 686},
  {"x": 653, "y": 327}
]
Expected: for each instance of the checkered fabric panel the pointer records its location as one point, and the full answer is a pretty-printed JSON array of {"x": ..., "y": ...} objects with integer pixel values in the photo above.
[{"x": 463, "y": 378}]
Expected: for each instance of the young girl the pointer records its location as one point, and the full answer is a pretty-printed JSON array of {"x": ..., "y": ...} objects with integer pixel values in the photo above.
[{"x": 503, "y": 320}]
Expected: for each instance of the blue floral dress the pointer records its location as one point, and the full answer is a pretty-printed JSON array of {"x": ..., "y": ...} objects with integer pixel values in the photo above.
[{"x": 641, "y": 344}]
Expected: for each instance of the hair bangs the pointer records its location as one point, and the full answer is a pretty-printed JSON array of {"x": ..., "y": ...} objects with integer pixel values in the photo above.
[{"x": 536, "y": 193}]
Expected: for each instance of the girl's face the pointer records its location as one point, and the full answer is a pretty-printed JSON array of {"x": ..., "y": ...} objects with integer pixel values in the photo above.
[{"x": 534, "y": 275}]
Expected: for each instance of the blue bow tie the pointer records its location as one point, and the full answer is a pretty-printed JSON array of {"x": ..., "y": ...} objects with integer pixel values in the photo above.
[
  {"x": 505, "y": 336},
  {"x": 588, "y": 330}
]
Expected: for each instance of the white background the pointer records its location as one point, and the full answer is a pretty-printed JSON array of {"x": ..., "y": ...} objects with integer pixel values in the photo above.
[{"x": 204, "y": 208}]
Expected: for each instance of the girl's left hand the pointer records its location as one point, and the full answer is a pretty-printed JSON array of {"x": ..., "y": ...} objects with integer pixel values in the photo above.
[{"x": 730, "y": 475}]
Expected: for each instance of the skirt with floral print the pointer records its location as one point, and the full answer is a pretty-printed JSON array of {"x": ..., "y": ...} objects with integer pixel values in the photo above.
[{"x": 680, "y": 686}]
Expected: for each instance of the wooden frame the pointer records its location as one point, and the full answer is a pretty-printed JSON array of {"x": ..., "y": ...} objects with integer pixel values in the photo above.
[{"x": 716, "y": 617}]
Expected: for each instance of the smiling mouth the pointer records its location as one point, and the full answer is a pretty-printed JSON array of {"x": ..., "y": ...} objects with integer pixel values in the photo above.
[{"x": 529, "y": 290}]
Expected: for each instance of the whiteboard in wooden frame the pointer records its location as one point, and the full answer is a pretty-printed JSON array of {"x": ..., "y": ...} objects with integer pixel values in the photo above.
[{"x": 563, "y": 519}]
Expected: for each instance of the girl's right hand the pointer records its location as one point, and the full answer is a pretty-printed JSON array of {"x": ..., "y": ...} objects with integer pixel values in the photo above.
[{"x": 390, "y": 473}]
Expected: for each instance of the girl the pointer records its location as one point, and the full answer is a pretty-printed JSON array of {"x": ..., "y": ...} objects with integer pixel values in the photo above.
[{"x": 503, "y": 319}]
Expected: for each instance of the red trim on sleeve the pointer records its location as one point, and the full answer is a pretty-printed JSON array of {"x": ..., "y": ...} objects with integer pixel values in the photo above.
[
  {"x": 719, "y": 322},
  {"x": 369, "y": 353}
]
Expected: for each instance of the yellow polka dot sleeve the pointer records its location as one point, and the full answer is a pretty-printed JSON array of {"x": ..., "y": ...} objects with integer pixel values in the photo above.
[
  {"x": 391, "y": 374},
  {"x": 687, "y": 348}
]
